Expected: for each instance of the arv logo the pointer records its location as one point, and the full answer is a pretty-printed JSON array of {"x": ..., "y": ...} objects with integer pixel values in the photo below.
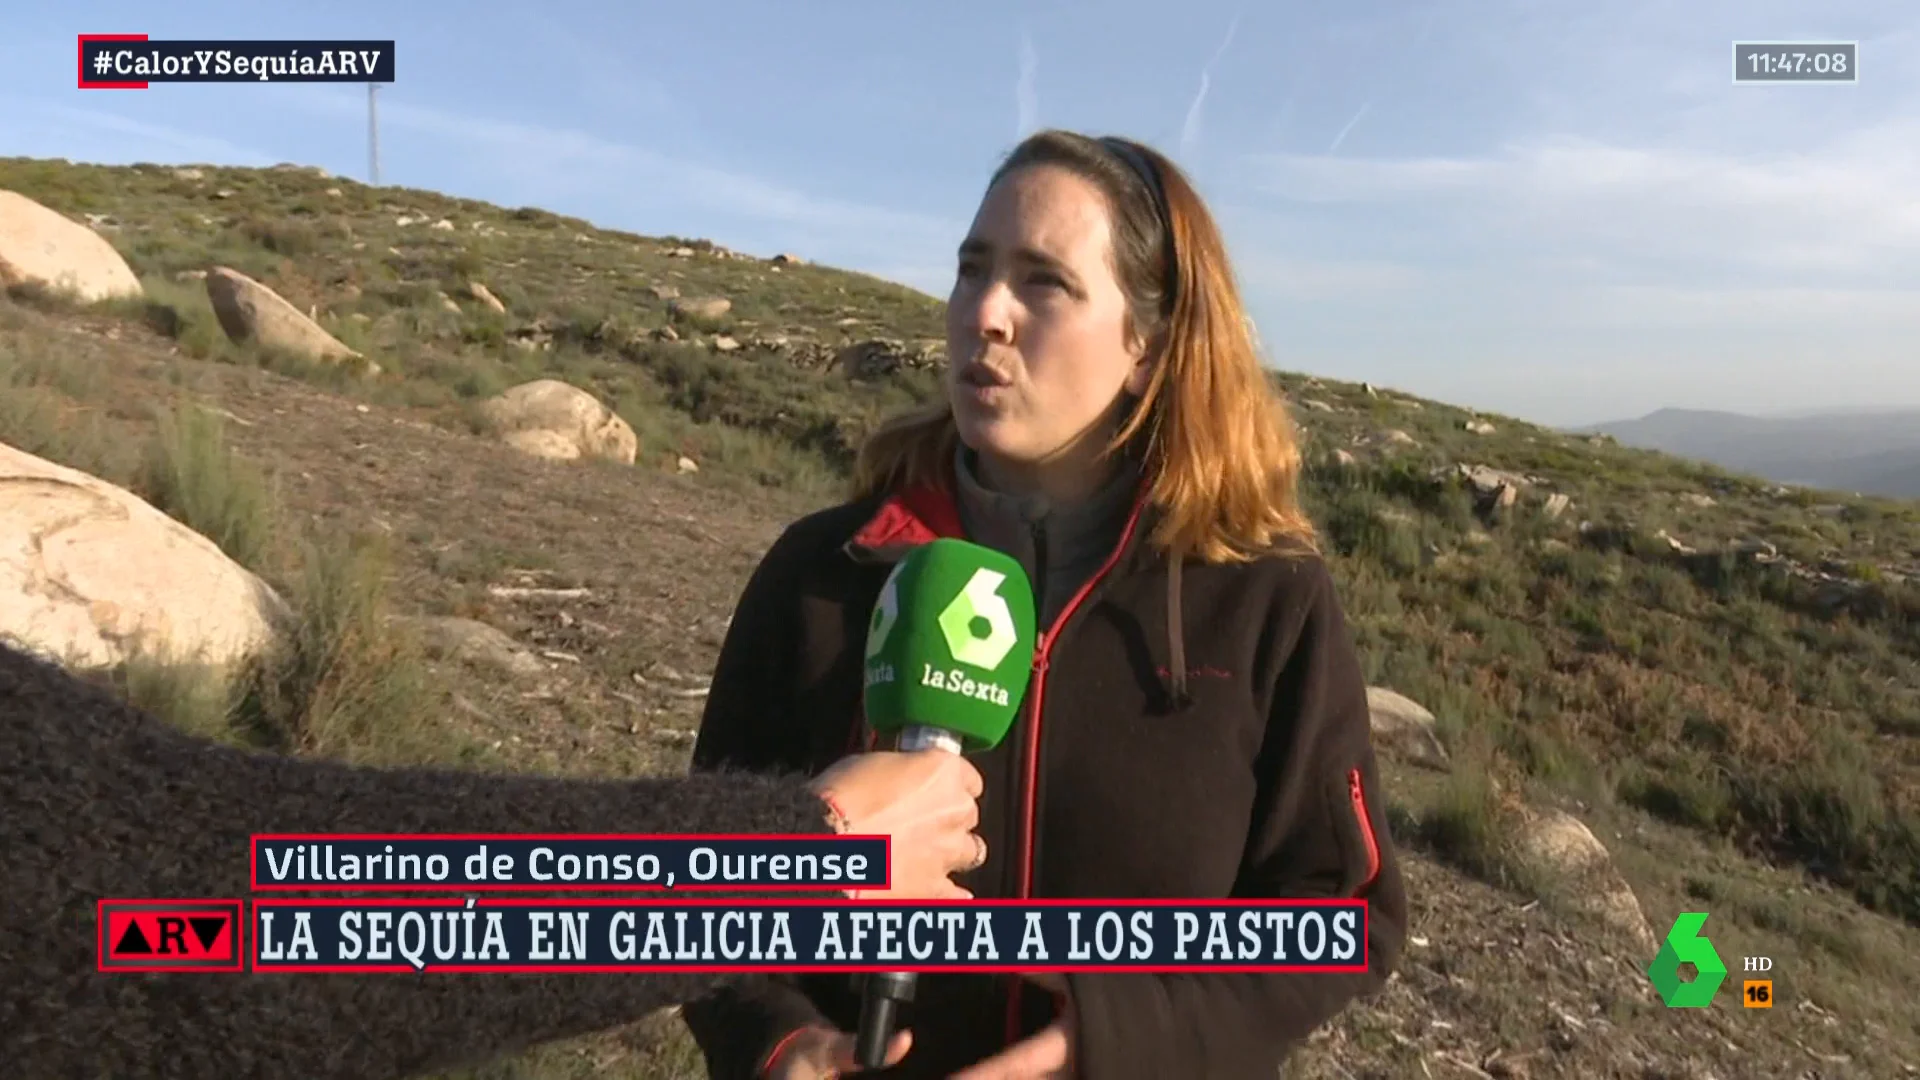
[
  {"x": 978, "y": 624},
  {"x": 1686, "y": 945}
]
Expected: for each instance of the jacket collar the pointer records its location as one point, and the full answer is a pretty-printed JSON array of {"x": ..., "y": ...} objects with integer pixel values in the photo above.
[
  {"x": 905, "y": 520},
  {"x": 920, "y": 514}
]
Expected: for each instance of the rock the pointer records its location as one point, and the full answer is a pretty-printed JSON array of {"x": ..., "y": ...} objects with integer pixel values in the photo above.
[
  {"x": 1558, "y": 848},
  {"x": 880, "y": 357},
  {"x": 1389, "y": 437},
  {"x": 249, "y": 311},
  {"x": 711, "y": 307},
  {"x": 92, "y": 575},
  {"x": 542, "y": 443},
  {"x": 1479, "y": 427},
  {"x": 484, "y": 295},
  {"x": 1316, "y": 405},
  {"x": 666, "y": 333},
  {"x": 334, "y": 193},
  {"x": 1556, "y": 505},
  {"x": 550, "y": 419},
  {"x": 40, "y": 246},
  {"x": 1695, "y": 498},
  {"x": 189, "y": 174},
  {"x": 1345, "y": 459},
  {"x": 680, "y": 253},
  {"x": 475, "y": 642},
  {"x": 1486, "y": 481},
  {"x": 664, "y": 292},
  {"x": 687, "y": 465},
  {"x": 443, "y": 225},
  {"x": 1675, "y": 544},
  {"x": 723, "y": 343},
  {"x": 1403, "y": 726},
  {"x": 450, "y": 304}
]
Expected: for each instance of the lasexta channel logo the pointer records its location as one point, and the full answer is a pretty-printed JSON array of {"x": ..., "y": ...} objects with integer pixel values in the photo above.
[{"x": 1685, "y": 944}]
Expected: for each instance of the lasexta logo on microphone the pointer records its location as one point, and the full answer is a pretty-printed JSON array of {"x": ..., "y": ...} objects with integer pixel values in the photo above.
[
  {"x": 950, "y": 640},
  {"x": 978, "y": 624}
]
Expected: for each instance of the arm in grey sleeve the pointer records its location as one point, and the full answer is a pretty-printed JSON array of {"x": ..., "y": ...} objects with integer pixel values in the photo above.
[{"x": 100, "y": 800}]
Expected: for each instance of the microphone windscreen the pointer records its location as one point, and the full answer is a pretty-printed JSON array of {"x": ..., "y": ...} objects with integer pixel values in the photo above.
[{"x": 950, "y": 643}]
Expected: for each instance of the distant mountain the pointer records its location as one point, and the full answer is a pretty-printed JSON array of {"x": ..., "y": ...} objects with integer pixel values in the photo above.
[{"x": 1869, "y": 450}]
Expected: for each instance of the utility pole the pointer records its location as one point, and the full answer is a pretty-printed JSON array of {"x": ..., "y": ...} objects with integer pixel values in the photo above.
[{"x": 373, "y": 137}]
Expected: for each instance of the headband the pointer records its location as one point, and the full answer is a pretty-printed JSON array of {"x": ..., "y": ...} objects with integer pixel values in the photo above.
[{"x": 1138, "y": 162}]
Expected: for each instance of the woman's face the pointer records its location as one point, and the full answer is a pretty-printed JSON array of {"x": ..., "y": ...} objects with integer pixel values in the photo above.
[{"x": 1037, "y": 329}]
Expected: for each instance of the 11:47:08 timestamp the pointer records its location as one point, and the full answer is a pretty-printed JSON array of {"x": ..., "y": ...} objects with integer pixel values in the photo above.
[{"x": 1796, "y": 61}]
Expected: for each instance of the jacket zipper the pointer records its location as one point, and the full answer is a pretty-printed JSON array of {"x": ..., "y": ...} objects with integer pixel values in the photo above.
[
  {"x": 1043, "y": 646},
  {"x": 1357, "y": 791}
]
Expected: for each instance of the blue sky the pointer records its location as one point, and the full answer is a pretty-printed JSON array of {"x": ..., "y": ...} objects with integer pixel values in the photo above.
[{"x": 1559, "y": 210}]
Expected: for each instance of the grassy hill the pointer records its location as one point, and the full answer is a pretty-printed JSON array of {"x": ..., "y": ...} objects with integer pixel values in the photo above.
[{"x": 1719, "y": 675}]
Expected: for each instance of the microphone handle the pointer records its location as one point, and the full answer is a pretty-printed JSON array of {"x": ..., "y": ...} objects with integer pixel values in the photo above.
[
  {"x": 884, "y": 991},
  {"x": 926, "y": 737}
]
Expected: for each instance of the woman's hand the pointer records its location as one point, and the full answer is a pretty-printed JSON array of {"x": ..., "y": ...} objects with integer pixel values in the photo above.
[
  {"x": 1047, "y": 1054},
  {"x": 927, "y": 801},
  {"x": 819, "y": 1053}
]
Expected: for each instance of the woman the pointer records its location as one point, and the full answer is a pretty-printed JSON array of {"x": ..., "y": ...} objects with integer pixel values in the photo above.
[
  {"x": 98, "y": 799},
  {"x": 1197, "y": 723}
]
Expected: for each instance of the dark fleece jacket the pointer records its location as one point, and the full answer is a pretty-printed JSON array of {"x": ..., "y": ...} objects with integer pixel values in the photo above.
[
  {"x": 100, "y": 800},
  {"x": 1211, "y": 744}
]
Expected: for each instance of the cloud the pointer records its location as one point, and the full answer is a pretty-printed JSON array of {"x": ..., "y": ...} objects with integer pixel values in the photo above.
[
  {"x": 1299, "y": 278},
  {"x": 1849, "y": 207},
  {"x": 1025, "y": 95},
  {"x": 1190, "y": 129},
  {"x": 568, "y": 159},
  {"x": 1348, "y": 126},
  {"x": 137, "y": 139}
]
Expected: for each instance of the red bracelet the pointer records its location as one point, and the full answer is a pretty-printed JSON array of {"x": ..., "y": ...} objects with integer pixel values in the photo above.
[{"x": 781, "y": 1047}]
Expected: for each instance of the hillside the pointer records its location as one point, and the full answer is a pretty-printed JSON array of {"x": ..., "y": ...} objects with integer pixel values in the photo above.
[
  {"x": 1719, "y": 676},
  {"x": 1876, "y": 452}
]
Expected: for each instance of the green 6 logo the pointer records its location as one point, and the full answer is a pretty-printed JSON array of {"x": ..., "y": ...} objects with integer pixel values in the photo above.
[
  {"x": 886, "y": 612},
  {"x": 1686, "y": 945},
  {"x": 980, "y": 601}
]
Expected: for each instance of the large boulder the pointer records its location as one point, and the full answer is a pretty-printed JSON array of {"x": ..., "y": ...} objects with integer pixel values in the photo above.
[
  {"x": 40, "y": 246},
  {"x": 1404, "y": 727},
  {"x": 1566, "y": 859},
  {"x": 92, "y": 575},
  {"x": 550, "y": 419},
  {"x": 249, "y": 311}
]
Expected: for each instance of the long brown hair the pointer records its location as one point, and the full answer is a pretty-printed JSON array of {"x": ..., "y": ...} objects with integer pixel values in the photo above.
[{"x": 1221, "y": 453}]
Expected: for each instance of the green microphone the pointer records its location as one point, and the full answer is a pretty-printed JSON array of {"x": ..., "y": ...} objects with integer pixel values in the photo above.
[{"x": 949, "y": 655}]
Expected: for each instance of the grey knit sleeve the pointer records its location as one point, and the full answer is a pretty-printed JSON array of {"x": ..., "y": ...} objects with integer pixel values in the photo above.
[{"x": 100, "y": 800}]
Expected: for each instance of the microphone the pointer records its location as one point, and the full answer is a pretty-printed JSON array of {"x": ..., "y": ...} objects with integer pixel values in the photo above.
[{"x": 949, "y": 654}]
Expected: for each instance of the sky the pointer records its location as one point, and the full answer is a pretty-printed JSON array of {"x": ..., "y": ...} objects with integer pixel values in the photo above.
[{"x": 1561, "y": 211}]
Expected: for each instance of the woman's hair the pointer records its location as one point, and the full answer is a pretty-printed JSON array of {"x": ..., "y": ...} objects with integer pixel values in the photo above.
[{"x": 1221, "y": 455}]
